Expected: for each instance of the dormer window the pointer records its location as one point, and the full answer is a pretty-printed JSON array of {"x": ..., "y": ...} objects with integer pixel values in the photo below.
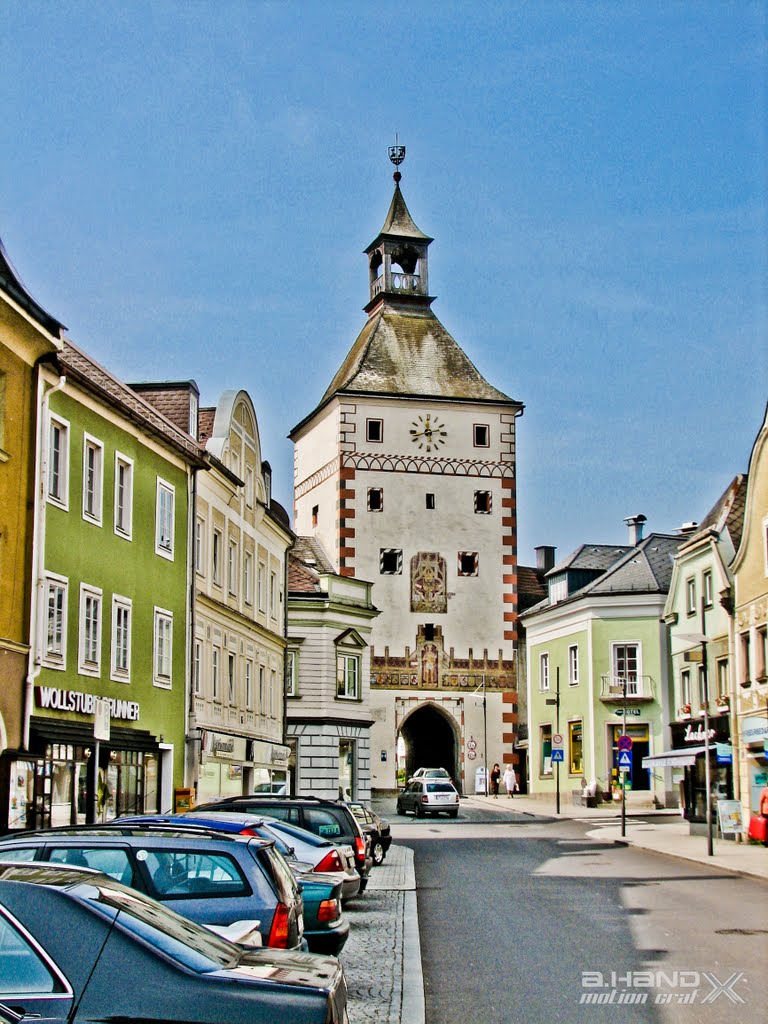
[{"x": 558, "y": 589}]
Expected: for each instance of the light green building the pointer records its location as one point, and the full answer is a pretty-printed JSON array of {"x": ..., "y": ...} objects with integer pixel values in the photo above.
[
  {"x": 598, "y": 667},
  {"x": 111, "y": 614}
]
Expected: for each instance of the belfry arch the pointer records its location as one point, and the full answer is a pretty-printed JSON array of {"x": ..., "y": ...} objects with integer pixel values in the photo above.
[{"x": 432, "y": 740}]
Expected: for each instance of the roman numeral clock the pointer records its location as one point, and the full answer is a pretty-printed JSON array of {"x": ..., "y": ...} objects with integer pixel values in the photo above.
[{"x": 428, "y": 433}]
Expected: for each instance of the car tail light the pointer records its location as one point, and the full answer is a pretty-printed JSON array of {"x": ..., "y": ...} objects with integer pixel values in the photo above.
[
  {"x": 330, "y": 862},
  {"x": 329, "y": 910},
  {"x": 278, "y": 933},
  {"x": 360, "y": 849},
  {"x": 248, "y": 832},
  {"x": 424, "y": 798}
]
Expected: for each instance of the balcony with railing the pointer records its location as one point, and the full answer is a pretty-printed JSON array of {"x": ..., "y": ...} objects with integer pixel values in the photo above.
[{"x": 632, "y": 687}]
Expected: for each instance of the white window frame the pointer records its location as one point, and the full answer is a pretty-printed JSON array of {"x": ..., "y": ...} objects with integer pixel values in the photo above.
[
  {"x": 291, "y": 673},
  {"x": 249, "y": 684},
  {"x": 218, "y": 540},
  {"x": 233, "y": 567},
  {"x": 707, "y": 588},
  {"x": 477, "y": 441},
  {"x": 248, "y": 577},
  {"x": 544, "y": 671},
  {"x": 344, "y": 661},
  {"x": 249, "y": 489},
  {"x": 55, "y": 655},
  {"x": 231, "y": 677},
  {"x": 765, "y": 545},
  {"x": 634, "y": 686},
  {"x": 690, "y": 595},
  {"x": 162, "y": 648},
  {"x": 123, "y": 525},
  {"x": 122, "y": 608},
  {"x": 215, "y": 669},
  {"x": 197, "y": 668},
  {"x": 273, "y": 594},
  {"x": 59, "y": 497},
  {"x": 262, "y": 682},
  {"x": 165, "y": 519},
  {"x": 90, "y": 597},
  {"x": 573, "y": 665},
  {"x": 261, "y": 590},
  {"x": 200, "y": 546},
  {"x": 93, "y": 489}
]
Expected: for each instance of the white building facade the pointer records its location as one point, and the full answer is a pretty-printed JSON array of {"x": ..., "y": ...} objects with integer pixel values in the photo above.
[{"x": 405, "y": 472}]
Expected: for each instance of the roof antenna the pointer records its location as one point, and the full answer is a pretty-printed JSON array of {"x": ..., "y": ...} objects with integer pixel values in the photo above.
[{"x": 397, "y": 155}]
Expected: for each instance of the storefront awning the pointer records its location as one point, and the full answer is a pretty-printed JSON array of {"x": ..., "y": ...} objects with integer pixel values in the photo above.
[{"x": 674, "y": 758}]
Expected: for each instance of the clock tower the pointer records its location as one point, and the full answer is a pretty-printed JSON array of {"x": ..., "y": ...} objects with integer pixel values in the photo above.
[{"x": 405, "y": 474}]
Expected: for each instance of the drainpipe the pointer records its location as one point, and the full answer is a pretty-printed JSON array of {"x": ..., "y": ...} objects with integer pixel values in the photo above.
[{"x": 38, "y": 549}]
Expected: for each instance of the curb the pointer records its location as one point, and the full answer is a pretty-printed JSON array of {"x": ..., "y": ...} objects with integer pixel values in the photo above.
[{"x": 412, "y": 1008}]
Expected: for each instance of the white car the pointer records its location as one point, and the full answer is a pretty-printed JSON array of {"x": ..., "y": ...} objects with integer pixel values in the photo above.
[{"x": 431, "y": 773}]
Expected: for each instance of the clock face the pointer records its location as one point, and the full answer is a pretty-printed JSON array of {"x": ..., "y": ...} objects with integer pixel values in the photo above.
[{"x": 428, "y": 433}]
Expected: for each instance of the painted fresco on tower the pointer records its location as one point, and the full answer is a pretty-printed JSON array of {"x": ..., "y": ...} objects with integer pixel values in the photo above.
[{"x": 428, "y": 583}]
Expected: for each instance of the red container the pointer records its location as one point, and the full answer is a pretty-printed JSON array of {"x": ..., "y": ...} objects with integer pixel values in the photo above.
[{"x": 758, "y": 828}]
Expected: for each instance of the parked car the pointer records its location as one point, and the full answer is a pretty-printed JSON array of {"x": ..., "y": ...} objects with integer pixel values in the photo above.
[
  {"x": 135, "y": 959},
  {"x": 431, "y": 773},
  {"x": 429, "y": 796},
  {"x": 328, "y": 819},
  {"x": 378, "y": 828},
  {"x": 326, "y": 930},
  {"x": 295, "y": 843},
  {"x": 208, "y": 877}
]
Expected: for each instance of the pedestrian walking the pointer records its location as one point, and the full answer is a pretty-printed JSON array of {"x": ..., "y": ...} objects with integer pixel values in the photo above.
[
  {"x": 510, "y": 781},
  {"x": 495, "y": 779}
]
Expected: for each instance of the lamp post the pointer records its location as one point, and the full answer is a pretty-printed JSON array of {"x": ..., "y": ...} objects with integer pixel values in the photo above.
[
  {"x": 485, "y": 736},
  {"x": 555, "y": 702},
  {"x": 701, "y": 638},
  {"x": 621, "y": 773}
]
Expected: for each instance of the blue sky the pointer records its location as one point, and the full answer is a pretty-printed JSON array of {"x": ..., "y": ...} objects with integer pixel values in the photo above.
[{"x": 189, "y": 187}]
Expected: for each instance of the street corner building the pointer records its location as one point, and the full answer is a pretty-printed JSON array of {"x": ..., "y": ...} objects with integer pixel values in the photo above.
[{"x": 404, "y": 473}]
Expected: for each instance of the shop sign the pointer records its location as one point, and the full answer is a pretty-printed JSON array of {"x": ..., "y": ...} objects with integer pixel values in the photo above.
[
  {"x": 697, "y": 735},
  {"x": 84, "y": 703},
  {"x": 280, "y": 753},
  {"x": 754, "y": 730},
  {"x": 724, "y": 753},
  {"x": 628, "y": 712},
  {"x": 230, "y": 748}
]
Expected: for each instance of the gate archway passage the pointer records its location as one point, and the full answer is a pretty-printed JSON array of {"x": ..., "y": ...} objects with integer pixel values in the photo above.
[{"x": 431, "y": 741}]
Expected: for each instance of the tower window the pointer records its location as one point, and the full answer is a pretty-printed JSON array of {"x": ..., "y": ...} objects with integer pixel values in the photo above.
[
  {"x": 483, "y": 502},
  {"x": 430, "y": 501},
  {"x": 374, "y": 430},
  {"x": 482, "y": 435},
  {"x": 375, "y": 499},
  {"x": 315, "y": 514},
  {"x": 429, "y": 632},
  {"x": 390, "y": 561},
  {"x": 467, "y": 563}
]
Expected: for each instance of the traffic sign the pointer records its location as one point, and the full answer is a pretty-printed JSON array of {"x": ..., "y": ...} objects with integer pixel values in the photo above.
[
  {"x": 558, "y": 755},
  {"x": 557, "y": 740},
  {"x": 625, "y": 761},
  {"x": 625, "y": 742}
]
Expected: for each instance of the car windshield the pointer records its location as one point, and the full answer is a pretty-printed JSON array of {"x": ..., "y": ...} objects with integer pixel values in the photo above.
[
  {"x": 439, "y": 787},
  {"x": 184, "y": 941}
]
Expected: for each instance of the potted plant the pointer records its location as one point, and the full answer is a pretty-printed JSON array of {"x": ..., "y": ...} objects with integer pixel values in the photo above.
[
  {"x": 723, "y": 704},
  {"x": 684, "y": 711}
]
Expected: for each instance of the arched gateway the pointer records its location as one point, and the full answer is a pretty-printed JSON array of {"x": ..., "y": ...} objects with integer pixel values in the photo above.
[{"x": 431, "y": 740}]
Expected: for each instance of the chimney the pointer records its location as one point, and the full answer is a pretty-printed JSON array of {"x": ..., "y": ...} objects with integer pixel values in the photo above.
[
  {"x": 635, "y": 524},
  {"x": 545, "y": 557},
  {"x": 688, "y": 528}
]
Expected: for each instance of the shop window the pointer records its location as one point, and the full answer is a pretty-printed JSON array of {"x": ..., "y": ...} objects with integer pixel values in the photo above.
[
  {"x": 576, "y": 766},
  {"x": 545, "y": 743}
]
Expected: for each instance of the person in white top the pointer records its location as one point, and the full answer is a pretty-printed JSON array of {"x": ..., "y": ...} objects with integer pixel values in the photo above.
[{"x": 510, "y": 781}]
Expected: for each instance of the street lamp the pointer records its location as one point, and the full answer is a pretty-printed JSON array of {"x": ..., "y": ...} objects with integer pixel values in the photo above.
[
  {"x": 701, "y": 638},
  {"x": 555, "y": 702}
]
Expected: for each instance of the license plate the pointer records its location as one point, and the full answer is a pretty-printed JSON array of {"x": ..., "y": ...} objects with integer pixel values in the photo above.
[{"x": 443, "y": 796}]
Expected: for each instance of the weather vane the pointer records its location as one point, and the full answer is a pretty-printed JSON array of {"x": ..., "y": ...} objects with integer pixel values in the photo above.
[{"x": 397, "y": 155}]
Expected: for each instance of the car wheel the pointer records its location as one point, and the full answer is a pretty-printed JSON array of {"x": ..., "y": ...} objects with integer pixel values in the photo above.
[
  {"x": 377, "y": 852},
  {"x": 400, "y": 808},
  {"x": 453, "y": 814},
  {"x": 419, "y": 811}
]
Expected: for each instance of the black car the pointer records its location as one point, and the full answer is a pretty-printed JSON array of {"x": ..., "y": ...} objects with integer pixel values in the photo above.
[
  {"x": 76, "y": 947},
  {"x": 377, "y": 827},
  {"x": 329, "y": 819},
  {"x": 211, "y": 878}
]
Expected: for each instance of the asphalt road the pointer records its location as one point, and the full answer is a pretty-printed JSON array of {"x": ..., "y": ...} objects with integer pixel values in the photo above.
[{"x": 530, "y": 920}]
